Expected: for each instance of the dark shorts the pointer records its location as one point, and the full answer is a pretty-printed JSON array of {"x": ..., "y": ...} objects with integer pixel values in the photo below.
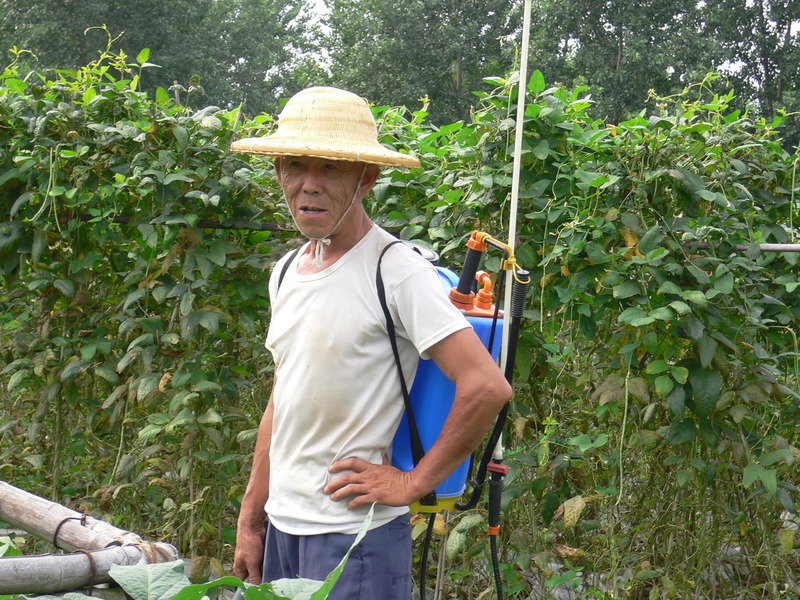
[{"x": 379, "y": 568}]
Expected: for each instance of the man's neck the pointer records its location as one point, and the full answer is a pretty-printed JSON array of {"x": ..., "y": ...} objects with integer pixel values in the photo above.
[{"x": 341, "y": 244}]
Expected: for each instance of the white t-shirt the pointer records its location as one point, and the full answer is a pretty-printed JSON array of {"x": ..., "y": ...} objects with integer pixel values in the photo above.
[{"x": 337, "y": 392}]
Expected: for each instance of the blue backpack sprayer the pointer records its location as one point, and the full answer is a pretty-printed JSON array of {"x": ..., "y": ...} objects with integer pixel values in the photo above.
[{"x": 430, "y": 399}]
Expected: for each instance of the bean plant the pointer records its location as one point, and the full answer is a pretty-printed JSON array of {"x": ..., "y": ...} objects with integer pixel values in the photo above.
[{"x": 653, "y": 434}]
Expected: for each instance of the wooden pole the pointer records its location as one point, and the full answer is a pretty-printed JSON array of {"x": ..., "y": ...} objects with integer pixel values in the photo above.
[
  {"x": 60, "y": 572},
  {"x": 96, "y": 546},
  {"x": 63, "y": 527}
]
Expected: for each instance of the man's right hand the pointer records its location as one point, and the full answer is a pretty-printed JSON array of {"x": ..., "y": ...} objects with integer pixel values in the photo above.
[{"x": 248, "y": 556}]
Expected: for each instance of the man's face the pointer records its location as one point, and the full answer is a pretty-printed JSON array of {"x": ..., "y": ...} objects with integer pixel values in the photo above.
[{"x": 319, "y": 191}]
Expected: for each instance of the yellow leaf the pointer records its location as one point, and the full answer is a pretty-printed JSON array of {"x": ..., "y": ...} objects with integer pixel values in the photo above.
[
  {"x": 786, "y": 537},
  {"x": 572, "y": 511},
  {"x": 519, "y": 426},
  {"x": 562, "y": 551},
  {"x": 630, "y": 237}
]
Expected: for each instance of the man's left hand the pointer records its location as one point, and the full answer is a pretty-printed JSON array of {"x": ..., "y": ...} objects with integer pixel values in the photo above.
[{"x": 367, "y": 483}]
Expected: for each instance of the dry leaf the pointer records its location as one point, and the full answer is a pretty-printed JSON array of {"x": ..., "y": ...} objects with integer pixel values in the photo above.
[
  {"x": 562, "y": 551},
  {"x": 786, "y": 537},
  {"x": 572, "y": 511},
  {"x": 519, "y": 426}
]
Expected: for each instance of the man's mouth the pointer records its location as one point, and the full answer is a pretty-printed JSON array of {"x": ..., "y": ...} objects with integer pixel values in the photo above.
[{"x": 311, "y": 210}]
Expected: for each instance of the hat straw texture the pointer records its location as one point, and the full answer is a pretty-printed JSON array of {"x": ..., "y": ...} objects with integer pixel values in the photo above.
[{"x": 326, "y": 122}]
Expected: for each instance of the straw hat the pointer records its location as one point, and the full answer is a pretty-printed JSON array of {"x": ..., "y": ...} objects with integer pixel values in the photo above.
[{"x": 326, "y": 122}]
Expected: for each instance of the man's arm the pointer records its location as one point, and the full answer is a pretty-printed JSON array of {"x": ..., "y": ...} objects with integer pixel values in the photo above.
[
  {"x": 251, "y": 526},
  {"x": 481, "y": 392}
]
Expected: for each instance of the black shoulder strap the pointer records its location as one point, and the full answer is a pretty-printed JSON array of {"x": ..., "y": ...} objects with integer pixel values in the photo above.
[
  {"x": 285, "y": 267},
  {"x": 417, "y": 451}
]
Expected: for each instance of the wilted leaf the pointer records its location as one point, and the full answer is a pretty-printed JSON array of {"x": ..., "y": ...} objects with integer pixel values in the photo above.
[{"x": 572, "y": 511}]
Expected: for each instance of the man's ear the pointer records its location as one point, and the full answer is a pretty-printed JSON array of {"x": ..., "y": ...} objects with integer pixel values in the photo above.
[{"x": 371, "y": 175}]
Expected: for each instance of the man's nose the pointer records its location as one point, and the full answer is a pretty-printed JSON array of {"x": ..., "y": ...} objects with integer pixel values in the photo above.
[{"x": 312, "y": 180}]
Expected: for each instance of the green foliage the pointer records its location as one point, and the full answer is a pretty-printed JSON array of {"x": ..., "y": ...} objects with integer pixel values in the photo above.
[
  {"x": 120, "y": 306},
  {"x": 656, "y": 414},
  {"x": 661, "y": 348}
]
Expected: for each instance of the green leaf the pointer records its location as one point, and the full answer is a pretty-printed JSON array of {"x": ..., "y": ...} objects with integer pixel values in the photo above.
[
  {"x": 626, "y": 289},
  {"x": 682, "y": 431},
  {"x": 17, "y": 380},
  {"x": 181, "y": 136},
  {"x": 706, "y": 386},
  {"x": 147, "y": 384},
  {"x": 706, "y": 349},
  {"x": 657, "y": 366},
  {"x": 750, "y": 473},
  {"x": 695, "y": 297},
  {"x": 683, "y": 477},
  {"x": 536, "y": 83},
  {"x": 7, "y": 547},
  {"x": 333, "y": 577},
  {"x": 642, "y": 321},
  {"x": 211, "y": 417},
  {"x": 776, "y": 455},
  {"x": 72, "y": 369},
  {"x": 106, "y": 374},
  {"x": 143, "y": 56},
  {"x": 201, "y": 590},
  {"x": 680, "y": 307},
  {"x": 571, "y": 579},
  {"x": 631, "y": 314},
  {"x": 662, "y": 313},
  {"x": 676, "y": 401},
  {"x": 679, "y": 374},
  {"x": 541, "y": 150},
  {"x": 206, "y": 386},
  {"x": 664, "y": 385},
  {"x": 159, "y": 581},
  {"x": 162, "y": 96},
  {"x": 668, "y": 287},
  {"x": 650, "y": 240},
  {"x": 66, "y": 287},
  {"x": 694, "y": 327},
  {"x": 584, "y": 442},
  {"x": 724, "y": 283}
]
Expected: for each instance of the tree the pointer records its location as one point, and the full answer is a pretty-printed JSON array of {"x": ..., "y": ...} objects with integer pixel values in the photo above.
[
  {"x": 226, "y": 51},
  {"x": 398, "y": 53},
  {"x": 761, "y": 53},
  {"x": 622, "y": 50}
]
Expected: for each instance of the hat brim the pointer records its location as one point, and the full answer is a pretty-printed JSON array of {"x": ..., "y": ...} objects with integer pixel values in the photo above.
[{"x": 281, "y": 146}]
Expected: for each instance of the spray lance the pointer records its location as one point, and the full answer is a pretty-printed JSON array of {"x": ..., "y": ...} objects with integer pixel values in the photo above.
[{"x": 492, "y": 458}]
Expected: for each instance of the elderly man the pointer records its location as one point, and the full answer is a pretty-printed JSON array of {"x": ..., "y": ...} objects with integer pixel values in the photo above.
[{"x": 321, "y": 454}]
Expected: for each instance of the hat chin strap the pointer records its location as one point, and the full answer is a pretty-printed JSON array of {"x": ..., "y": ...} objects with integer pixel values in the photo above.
[{"x": 323, "y": 242}]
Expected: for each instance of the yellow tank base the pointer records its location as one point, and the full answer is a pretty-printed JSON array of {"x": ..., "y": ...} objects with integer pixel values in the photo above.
[{"x": 441, "y": 504}]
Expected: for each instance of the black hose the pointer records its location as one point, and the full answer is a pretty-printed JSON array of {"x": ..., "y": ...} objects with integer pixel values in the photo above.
[
  {"x": 496, "y": 566},
  {"x": 467, "y": 279},
  {"x": 519, "y": 293},
  {"x": 423, "y": 564}
]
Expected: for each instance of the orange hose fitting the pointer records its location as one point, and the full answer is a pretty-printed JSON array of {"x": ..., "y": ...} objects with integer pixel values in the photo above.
[
  {"x": 462, "y": 301},
  {"x": 477, "y": 241},
  {"x": 494, "y": 529},
  {"x": 485, "y": 297}
]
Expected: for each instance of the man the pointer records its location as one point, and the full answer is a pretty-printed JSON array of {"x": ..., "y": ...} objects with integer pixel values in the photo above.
[{"x": 321, "y": 454}]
